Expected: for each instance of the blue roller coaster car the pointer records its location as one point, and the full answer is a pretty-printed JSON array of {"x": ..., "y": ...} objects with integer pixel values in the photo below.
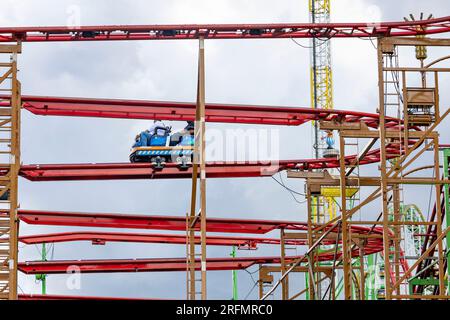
[{"x": 163, "y": 148}]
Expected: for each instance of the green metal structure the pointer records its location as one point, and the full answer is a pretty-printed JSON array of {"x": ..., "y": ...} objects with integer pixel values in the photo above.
[
  {"x": 43, "y": 277},
  {"x": 234, "y": 276}
]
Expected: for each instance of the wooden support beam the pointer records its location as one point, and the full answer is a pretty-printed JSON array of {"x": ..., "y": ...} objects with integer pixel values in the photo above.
[
  {"x": 285, "y": 283},
  {"x": 346, "y": 254},
  {"x": 11, "y": 48},
  {"x": 202, "y": 148},
  {"x": 199, "y": 169},
  {"x": 391, "y": 134},
  {"x": 402, "y": 41},
  {"x": 383, "y": 171}
]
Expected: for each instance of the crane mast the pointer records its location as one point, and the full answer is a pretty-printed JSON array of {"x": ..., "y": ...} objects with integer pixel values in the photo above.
[{"x": 323, "y": 208}]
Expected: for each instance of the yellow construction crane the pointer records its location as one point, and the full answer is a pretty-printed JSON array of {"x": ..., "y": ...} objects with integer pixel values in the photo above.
[{"x": 324, "y": 208}]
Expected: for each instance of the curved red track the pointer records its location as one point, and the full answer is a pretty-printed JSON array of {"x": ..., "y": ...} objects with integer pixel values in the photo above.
[
  {"x": 138, "y": 109},
  {"x": 185, "y": 111},
  {"x": 225, "y": 31},
  {"x": 101, "y": 238},
  {"x": 374, "y": 242},
  {"x": 172, "y": 264}
]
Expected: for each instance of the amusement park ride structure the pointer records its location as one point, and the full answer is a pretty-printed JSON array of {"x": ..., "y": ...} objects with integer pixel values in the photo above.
[{"x": 404, "y": 125}]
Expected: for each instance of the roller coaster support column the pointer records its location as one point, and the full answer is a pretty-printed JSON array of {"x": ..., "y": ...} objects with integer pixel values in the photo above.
[
  {"x": 234, "y": 277},
  {"x": 43, "y": 277},
  {"x": 10, "y": 162},
  {"x": 386, "y": 47},
  {"x": 447, "y": 209},
  {"x": 309, "y": 277},
  {"x": 200, "y": 119},
  {"x": 383, "y": 172},
  {"x": 285, "y": 283},
  {"x": 440, "y": 246},
  {"x": 346, "y": 254}
]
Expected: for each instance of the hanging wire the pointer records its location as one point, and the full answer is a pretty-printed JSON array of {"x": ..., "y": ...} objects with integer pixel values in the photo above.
[
  {"x": 255, "y": 283},
  {"x": 252, "y": 272},
  {"x": 251, "y": 290},
  {"x": 251, "y": 275},
  {"x": 322, "y": 42},
  {"x": 38, "y": 250},
  {"x": 286, "y": 187},
  {"x": 291, "y": 191},
  {"x": 21, "y": 290},
  {"x": 53, "y": 251},
  {"x": 371, "y": 41},
  {"x": 396, "y": 79}
]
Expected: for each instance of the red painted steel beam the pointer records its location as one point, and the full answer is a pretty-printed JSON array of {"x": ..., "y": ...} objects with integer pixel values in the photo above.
[
  {"x": 225, "y": 31},
  {"x": 173, "y": 264},
  {"x": 119, "y": 171},
  {"x": 372, "y": 245},
  {"x": 185, "y": 111},
  {"x": 123, "y": 171},
  {"x": 138, "y": 265},
  {"x": 101, "y": 238},
  {"x": 173, "y": 223}
]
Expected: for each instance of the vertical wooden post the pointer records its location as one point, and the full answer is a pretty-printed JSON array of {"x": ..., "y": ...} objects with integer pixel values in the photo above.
[
  {"x": 440, "y": 246},
  {"x": 397, "y": 235},
  {"x": 260, "y": 284},
  {"x": 383, "y": 172},
  {"x": 405, "y": 112},
  {"x": 362, "y": 285},
  {"x": 346, "y": 255},
  {"x": 285, "y": 282},
  {"x": 437, "y": 103},
  {"x": 16, "y": 104},
  {"x": 199, "y": 168},
  {"x": 311, "y": 291},
  {"x": 202, "y": 148}
]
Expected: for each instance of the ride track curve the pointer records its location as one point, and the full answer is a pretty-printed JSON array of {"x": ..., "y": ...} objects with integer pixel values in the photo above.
[
  {"x": 225, "y": 31},
  {"x": 176, "y": 111},
  {"x": 373, "y": 244}
]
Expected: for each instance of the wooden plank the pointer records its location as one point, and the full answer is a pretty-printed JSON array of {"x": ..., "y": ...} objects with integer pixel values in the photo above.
[
  {"x": 10, "y": 48},
  {"x": 416, "y": 42},
  {"x": 389, "y": 134}
]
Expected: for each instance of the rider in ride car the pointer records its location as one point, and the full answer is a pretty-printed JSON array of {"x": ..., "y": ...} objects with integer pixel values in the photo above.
[{"x": 186, "y": 133}]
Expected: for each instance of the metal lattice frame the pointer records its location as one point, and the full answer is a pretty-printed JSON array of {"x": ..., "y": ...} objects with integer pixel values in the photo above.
[{"x": 10, "y": 162}]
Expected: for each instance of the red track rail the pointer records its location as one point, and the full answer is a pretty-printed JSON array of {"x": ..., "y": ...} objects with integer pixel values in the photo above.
[
  {"x": 169, "y": 264},
  {"x": 121, "y": 171},
  {"x": 138, "y": 265},
  {"x": 373, "y": 244},
  {"x": 225, "y": 31},
  {"x": 101, "y": 238},
  {"x": 172, "y": 223},
  {"x": 138, "y": 109}
]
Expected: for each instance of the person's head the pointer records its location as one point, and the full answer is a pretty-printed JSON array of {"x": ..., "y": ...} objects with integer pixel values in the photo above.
[
  {"x": 190, "y": 127},
  {"x": 155, "y": 121}
]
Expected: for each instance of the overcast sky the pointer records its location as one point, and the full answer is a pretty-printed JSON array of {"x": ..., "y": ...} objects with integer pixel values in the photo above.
[{"x": 274, "y": 72}]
